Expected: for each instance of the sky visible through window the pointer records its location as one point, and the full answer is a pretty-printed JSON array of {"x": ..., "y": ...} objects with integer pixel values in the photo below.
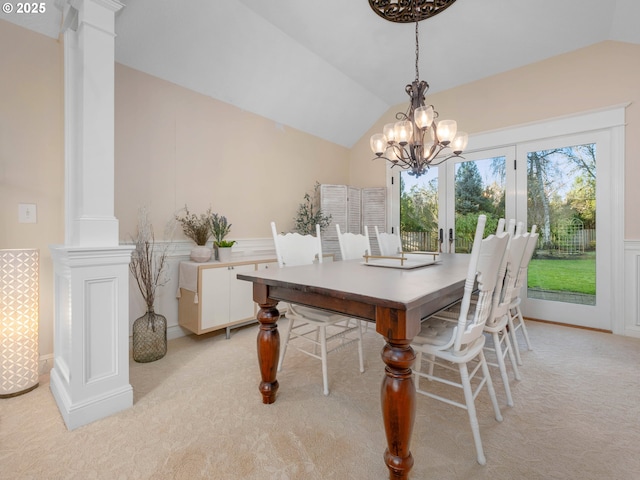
[{"x": 484, "y": 166}]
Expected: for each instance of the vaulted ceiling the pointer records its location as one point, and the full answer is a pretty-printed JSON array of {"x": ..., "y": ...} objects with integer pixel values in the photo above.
[{"x": 333, "y": 67}]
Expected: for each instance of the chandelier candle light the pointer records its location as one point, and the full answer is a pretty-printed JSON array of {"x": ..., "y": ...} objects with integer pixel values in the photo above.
[{"x": 403, "y": 143}]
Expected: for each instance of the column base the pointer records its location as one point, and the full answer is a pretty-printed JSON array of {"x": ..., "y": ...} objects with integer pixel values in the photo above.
[{"x": 81, "y": 413}]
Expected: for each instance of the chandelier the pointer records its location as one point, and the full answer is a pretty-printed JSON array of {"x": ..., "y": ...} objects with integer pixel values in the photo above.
[{"x": 417, "y": 139}]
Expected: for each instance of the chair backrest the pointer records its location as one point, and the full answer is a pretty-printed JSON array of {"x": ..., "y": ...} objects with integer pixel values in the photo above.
[
  {"x": 295, "y": 249},
  {"x": 505, "y": 289},
  {"x": 389, "y": 243},
  {"x": 486, "y": 261},
  {"x": 353, "y": 245},
  {"x": 532, "y": 242}
]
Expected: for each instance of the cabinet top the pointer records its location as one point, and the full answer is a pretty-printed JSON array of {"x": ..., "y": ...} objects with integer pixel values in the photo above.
[{"x": 188, "y": 271}]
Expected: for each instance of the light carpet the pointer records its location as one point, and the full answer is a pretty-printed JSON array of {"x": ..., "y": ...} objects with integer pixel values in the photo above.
[{"x": 197, "y": 414}]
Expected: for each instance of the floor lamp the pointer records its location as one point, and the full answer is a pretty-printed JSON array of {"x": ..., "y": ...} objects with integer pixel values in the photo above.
[{"x": 18, "y": 321}]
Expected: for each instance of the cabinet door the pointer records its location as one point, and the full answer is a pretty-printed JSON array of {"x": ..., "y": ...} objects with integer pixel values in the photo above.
[
  {"x": 240, "y": 294},
  {"x": 214, "y": 297}
]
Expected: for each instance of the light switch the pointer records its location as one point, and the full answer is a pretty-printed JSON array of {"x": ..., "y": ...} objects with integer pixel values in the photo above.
[{"x": 27, "y": 213}]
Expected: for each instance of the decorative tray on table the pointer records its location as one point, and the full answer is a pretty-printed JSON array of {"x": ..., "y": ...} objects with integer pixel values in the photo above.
[{"x": 402, "y": 260}]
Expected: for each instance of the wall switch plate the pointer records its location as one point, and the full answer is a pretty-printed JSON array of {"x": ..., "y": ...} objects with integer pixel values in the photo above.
[{"x": 27, "y": 213}]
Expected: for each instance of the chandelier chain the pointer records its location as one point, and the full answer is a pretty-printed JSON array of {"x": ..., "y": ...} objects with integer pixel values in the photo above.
[{"x": 417, "y": 53}]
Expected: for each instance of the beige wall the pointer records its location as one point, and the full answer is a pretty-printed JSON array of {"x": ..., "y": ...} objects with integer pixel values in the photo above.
[
  {"x": 177, "y": 147},
  {"x": 601, "y": 75},
  {"x": 31, "y": 152}
]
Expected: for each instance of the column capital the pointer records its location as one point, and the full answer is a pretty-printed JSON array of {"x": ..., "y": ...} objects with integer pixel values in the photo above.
[
  {"x": 113, "y": 5},
  {"x": 71, "y": 10}
]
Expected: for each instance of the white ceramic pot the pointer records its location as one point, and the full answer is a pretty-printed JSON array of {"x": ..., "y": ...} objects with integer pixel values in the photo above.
[
  {"x": 201, "y": 253},
  {"x": 224, "y": 254}
]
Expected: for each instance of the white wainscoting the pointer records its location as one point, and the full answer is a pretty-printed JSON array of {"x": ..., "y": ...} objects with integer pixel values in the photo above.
[
  {"x": 166, "y": 296},
  {"x": 631, "y": 289}
]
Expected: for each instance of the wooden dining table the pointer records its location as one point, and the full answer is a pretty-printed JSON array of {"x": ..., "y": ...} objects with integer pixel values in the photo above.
[{"x": 395, "y": 298}]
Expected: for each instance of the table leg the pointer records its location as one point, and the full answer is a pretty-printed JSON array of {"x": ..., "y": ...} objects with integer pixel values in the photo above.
[
  {"x": 398, "y": 399},
  {"x": 268, "y": 349}
]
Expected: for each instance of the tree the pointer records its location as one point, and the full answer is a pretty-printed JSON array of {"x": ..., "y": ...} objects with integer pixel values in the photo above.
[
  {"x": 582, "y": 196},
  {"x": 549, "y": 173},
  {"x": 466, "y": 230},
  {"x": 582, "y": 200},
  {"x": 540, "y": 170},
  {"x": 469, "y": 190},
  {"x": 419, "y": 208}
]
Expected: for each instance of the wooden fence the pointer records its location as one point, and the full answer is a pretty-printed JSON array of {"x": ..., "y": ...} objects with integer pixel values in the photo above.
[
  {"x": 428, "y": 241},
  {"x": 420, "y": 241}
]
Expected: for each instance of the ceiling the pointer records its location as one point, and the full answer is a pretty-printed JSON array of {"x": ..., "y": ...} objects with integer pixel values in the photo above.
[{"x": 332, "y": 68}]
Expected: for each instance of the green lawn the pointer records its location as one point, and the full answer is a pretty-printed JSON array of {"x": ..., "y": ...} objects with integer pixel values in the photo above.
[{"x": 564, "y": 275}]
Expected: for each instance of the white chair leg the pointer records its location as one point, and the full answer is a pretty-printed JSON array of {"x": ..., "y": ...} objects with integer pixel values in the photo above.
[
  {"x": 318, "y": 340},
  {"x": 492, "y": 392},
  {"x": 432, "y": 363},
  {"x": 286, "y": 335},
  {"x": 522, "y": 325},
  {"x": 360, "y": 354},
  {"x": 471, "y": 410},
  {"x": 514, "y": 339},
  {"x": 417, "y": 365},
  {"x": 512, "y": 357},
  {"x": 323, "y": 348},
  {"x": 497, "y": 345}
]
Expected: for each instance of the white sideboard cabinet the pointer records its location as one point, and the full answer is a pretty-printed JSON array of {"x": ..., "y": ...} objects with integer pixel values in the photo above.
[{"x": 212, "y": 298}]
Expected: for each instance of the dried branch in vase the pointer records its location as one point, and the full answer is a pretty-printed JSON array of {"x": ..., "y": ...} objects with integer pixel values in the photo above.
[
  {"x": 148, "y": 261},
  {"x": 196, "y": 227}
]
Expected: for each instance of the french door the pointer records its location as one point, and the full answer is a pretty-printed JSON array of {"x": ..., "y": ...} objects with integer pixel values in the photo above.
[
  {"x": 568, "y": 198},
  {"x": 562, "y": 185}
]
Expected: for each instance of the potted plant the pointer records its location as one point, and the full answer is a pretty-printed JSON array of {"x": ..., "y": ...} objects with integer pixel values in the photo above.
[
  {"x": 309, "y": 214},
  {"x": 224, "y": 249},
  {"x": 198, "y": 229},
  {"x": 149, "y": 268},
  {"x": 220, "y": 228}
]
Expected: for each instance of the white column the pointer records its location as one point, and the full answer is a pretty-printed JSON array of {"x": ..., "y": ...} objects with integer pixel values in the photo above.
[{"x": 90, "y": 376}]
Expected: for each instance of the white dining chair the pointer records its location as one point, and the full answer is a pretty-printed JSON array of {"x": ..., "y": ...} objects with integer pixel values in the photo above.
[
  {"x": 309, "y": 329},
  {"x": 444, "y": 345},
  {"x": 516, "y": 321},
  {"x": 390, "y": 244},
  {"x": 498, "y": 346},
  {"x": 353, "y": 245},
  {"x": 497, "y": 326}
]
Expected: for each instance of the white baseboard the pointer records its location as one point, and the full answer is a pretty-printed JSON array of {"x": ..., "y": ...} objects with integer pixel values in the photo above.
[
  {"x": 630, "y": 323},
  {"x": 45, "y": 364}
]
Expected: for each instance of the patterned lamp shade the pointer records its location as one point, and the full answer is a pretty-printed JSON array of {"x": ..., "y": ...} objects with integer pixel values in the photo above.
[{"x": 18, "y": 321}]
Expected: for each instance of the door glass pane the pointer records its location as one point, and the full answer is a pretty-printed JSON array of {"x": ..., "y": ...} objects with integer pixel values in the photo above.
[
  {"x": 419, "y": 211},
  {"x": 562, "y": 203},
  {"x": 479, "y": 189}
]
